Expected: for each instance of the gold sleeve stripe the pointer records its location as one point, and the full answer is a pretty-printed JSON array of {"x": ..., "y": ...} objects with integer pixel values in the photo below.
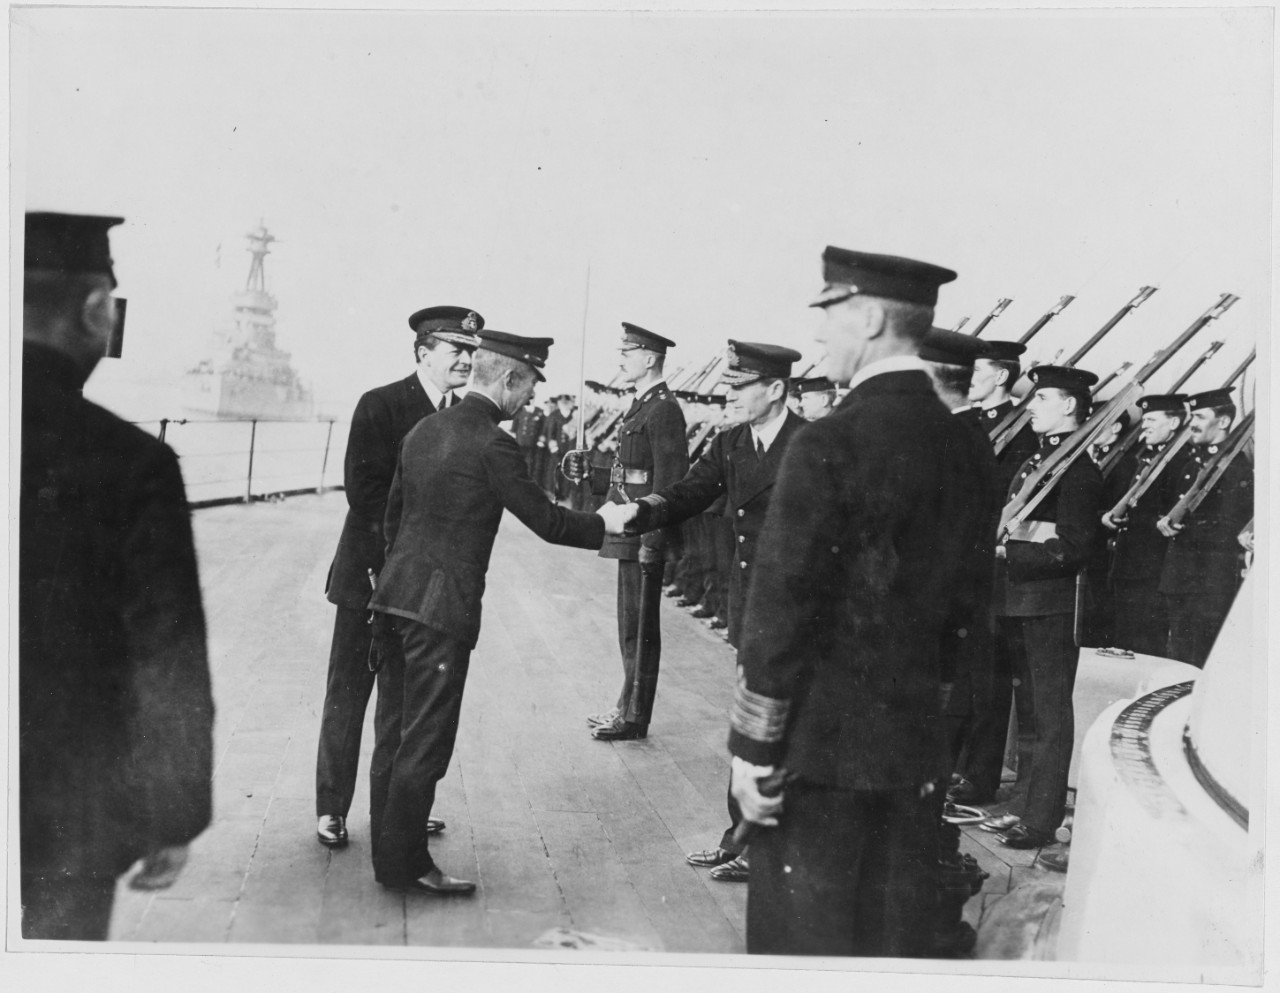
[{"x": 756, "y": 716}]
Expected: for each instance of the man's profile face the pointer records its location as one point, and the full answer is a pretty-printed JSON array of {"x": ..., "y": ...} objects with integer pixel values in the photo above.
[
  {"x": 519, "y": 391},
  {"x": 1207, "y": 427},
  {"x": 842, "y": 335},
  {"x": 633, "y": 363},
  {"x": 816, "y": 404},
  {"x": 748, "y": 403},
  {"x": 1158, "y": 427},
  {"x": 1052, "y": 411},
  {"x": 986, "y": 377}
]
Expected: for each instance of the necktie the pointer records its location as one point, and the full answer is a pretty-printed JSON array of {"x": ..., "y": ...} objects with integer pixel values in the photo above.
[{"x": 759, "y": 450}]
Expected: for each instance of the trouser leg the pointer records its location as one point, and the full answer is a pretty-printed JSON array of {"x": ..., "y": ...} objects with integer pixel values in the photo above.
[
  {"x": 1051, "y": 658},
  {"x": 388, "y": 715},
  {"x": 67, "y": 908},
  {"x": 989, "y": 724},
  {"x": 844, "y": 873},
  {"x": 648, "y": 655},
  {"x": 628, "y": 627},
  {"x": 1142, "y": 620},
  {"x": 346, "y": 698},
  {"x": 435, "y": 673},
  {"x": 1194, "y": 623}
]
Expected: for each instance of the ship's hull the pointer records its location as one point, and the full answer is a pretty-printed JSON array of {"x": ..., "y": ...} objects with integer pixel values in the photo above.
[{"x": 239, "y": 397}]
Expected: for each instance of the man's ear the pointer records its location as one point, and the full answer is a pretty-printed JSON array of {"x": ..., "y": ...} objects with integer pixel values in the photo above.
[
  {"x": 98, "y": 315},
  {"x": 1002, "y": 375},
  {"x": 874, "y": 318}
]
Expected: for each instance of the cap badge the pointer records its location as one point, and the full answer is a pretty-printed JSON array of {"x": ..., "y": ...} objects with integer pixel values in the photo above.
[
  {"x": 471, "y": 322},
  {"x": 733, "y": 357}
]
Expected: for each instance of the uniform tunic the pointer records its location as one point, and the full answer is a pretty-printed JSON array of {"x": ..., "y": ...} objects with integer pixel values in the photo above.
[
  {"x": 115, "y": 713},
  {"x": 1019, "y": 449},
  {"x": 860, "y": 560},
  {"x": 458, "y": 472},
  {"x": 1201, "y": 570},
  {"x": 382, "y": 418},
  {"x": 651, "y": 441}
]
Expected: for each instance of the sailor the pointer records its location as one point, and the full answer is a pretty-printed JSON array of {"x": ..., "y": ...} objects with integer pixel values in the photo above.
[
  {"x": 557, "y": 432},
  {"x": 863, "y": 548},
  {"x": 740, "y": 465},
  {"x": 444, "y": 338},
  {"x": 994, "y": 376},
  {"x": 458, "y": 472},
  {"x": 1097, "y": 602},
  {"x": 1141, "y": 624},
  {"x": 817, "y": 397},
  {"x": 1035, "y": 603},
  {"x": 114, "y": 709},
  {"x": 527, "y": 427},
  {"x": 1201, "y": 570},
  {"x": 651, "y": 455}
]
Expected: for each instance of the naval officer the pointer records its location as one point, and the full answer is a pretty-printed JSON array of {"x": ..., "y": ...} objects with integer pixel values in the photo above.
[
  {"x": 863, "y": 548},
  {"x": 444, "y": 338},
  {"x": 458, "y": 472},
  {"x": 652, "y": 454}
]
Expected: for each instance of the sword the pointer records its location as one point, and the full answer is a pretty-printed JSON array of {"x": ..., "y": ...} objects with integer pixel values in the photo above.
[{"x": 580, "y": 449}]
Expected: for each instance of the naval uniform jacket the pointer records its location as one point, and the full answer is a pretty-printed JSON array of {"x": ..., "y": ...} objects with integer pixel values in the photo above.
[
  {"x": 458, "y": 471},
  {"x": 1205, "y": 555},
  {"x": 650, "y": 441},
  {"x": 728, "y": 468},
  {"x": 381, "y": 420},
  {"x": 115, "y": 714},
  {"x": 1038, "y": 578},
  {"x": 1140, "y": 548},
  {"x": 874, "y": 513},
  {"x": 1019, "y": 449},
  {"x": 527, "y": 425}
]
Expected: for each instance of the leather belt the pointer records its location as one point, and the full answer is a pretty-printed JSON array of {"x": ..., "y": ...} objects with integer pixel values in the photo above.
[
  {"x": 1036, "y": 531},
  {"x": 619, "y": 476}
]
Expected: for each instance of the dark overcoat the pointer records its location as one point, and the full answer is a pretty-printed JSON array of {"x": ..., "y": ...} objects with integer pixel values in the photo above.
[
  {"x": 1139, "y": 547},
  {"x": 458, "y": 471},
  {"x": 381, "y": 420},
  {"x": 728, "y": 468},
  {"x": 865, "y": 543},
  {"x": 1038, "y": 578},
  {"x": 115, "y": 715},
  {"x": 650, "y": 440}
]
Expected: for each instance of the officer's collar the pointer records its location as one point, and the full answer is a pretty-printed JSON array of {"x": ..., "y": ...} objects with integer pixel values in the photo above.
[
  {"x": 1054, "y": 440},
  {"x": 659, "y": 386}
]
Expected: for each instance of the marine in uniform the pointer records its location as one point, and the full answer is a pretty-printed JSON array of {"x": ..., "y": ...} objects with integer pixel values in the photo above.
[
  {"x": 557, "y": 434},
  {"x": 444, "y": 338},
  {"x": 1201, "y": 571},
  {"x": 994, "y": 376},
  {"x": 863, "y": 548},
  {"x": 458, "y": 472},
  {"x": 741, "y": 466},
  {"x": 114, "y": 709},
  {"x": 1141, "y": 624},
  {"x": 527, "y": 426},
  {"x": 651, "y": 455},
  {"x": 1035, "y": 604}
]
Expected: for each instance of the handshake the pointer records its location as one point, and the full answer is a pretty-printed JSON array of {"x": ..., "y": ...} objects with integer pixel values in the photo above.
[{"x": 617, "y": 516}]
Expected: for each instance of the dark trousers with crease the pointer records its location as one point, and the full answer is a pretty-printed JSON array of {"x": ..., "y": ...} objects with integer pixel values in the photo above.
[
  {"x": 346, "y": 697},
  {"x": 1194, "y": 623},
  {"x": 846, "y": 872},
  {"x": 639, "y": 640},
  {"x": 67, "y": 908},
  {"x": 987, "y": 726},
  {"x": 1142, "y": 619},
  {"x": 431, "y": 681},
  {"x": 1044, "y": 654}
]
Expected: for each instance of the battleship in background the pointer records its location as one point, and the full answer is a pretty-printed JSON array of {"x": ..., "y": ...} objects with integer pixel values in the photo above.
[{"x": 246, "y": 375}]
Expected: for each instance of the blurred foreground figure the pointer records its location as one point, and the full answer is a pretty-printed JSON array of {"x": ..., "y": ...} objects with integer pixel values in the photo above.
[{"x": 115, "y": 713}]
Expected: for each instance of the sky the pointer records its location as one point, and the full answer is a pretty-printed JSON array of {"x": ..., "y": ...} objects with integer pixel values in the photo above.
[{"x": 695, "y": 164}]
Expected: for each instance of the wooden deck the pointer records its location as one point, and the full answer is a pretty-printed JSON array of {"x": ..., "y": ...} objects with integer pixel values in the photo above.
[{"x": 560, "y": 831}]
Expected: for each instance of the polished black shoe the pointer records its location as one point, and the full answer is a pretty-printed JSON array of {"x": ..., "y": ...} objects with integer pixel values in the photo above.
[
  {"x": 620, "y": 730},
  {"x": 717, "y": 624},
  {"x": 1021, "y": 836},
  {"x": 331, "y": 831},
  {"x": 709, "y": 858},
  {"x": 435, "y": 883},
  {"x": 684, "y": 601},
  {"x": 701, "y": 612},
  {"x": 604, "y": 717},
  {"x": 434, "y": 825},
  {"x": 673, "y": 591},
  {"x": 963, "y": 791},
  {"x": 735, "y": 871},
  {"x": 1054, "y": 861}
]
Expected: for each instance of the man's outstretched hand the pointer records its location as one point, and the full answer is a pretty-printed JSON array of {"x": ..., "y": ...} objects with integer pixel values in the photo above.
[{"x": 616, "y": 516}]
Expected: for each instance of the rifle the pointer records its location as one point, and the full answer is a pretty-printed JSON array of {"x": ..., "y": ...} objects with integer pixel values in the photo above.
[
  {"x": 1106, "y": 380},
  {"x": 1143, "y": 294},
  {"x": 1030, "y": 495},
  {"x": 1150, "y": 473},
  {"x": 1118, "y": 451},
  {"x": 996, "y": 311},
  {"x": 1212, "y": 471},
  {"x": 1017, "y": 418},
  {"x": 1245, "y": 537},
  {"x": 1049, "y": 315},
  {"x": 960, "y": 323}
]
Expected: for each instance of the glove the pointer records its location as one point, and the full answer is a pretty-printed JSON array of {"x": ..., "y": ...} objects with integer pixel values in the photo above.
[{"x": 385, "y": 639}]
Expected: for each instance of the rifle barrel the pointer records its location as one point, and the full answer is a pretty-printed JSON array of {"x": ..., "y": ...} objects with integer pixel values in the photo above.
[
  {"x": 1102, "y": 332},
  {"x": 1209, "y": 353},
  {"x": 996, "y": 311},
  {"x": 1165, "y": 354},
  {"x": 1049, "y": 315}
]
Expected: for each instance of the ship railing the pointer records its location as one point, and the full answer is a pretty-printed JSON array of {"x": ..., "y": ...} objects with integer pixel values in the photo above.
[{"x": 240, "y": 460}]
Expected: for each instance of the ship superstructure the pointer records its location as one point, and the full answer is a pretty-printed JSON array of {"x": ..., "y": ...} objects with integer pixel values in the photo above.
[{"x": 246, "y": 374}]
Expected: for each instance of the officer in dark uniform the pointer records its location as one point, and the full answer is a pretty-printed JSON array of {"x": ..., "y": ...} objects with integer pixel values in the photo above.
[
  {"x": 651, "y": 456},
  {"x": 1097, "y": 602},
  {"x": 444, "y": 338},
  {"x": 1201, "y": 572},
  {"x": 527, "y": 426},
  {"x": 114, "y": 710},
  {"x": 817, "y": 396},
  {"x": 458, "y": 472},
  {"x": 740, "y": 465},
  {"x": 557, "y": 432},
  {"x": 863, "y": 549},
  {"x": 1035, "y": 607},
  {"x": 994, "y": 376},
  {"x": 1141, "y": 624}
]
